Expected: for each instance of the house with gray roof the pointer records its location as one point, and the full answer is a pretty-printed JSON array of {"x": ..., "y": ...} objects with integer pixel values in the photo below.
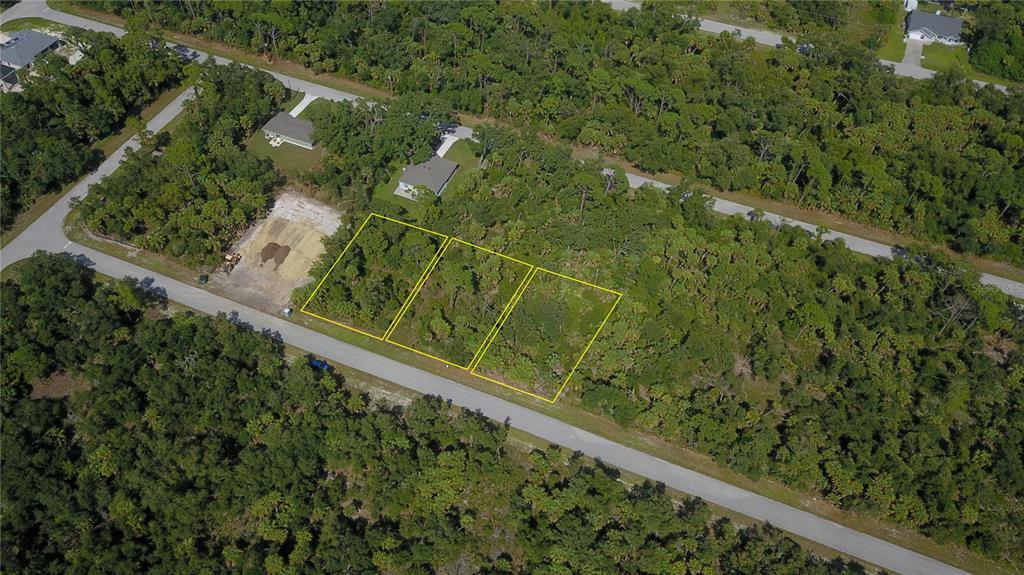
[
  {"x": 929, "y": 27},
  {"x": 433, "y": 175},
  {"x": 286, "y": 128},
  {"x": 19, "y": 50}
]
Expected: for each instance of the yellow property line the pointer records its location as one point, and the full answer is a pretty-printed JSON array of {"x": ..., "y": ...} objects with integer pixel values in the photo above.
[
  {"x": 530, "y": 393},
  {"x": 328, "y": 274},
  {"x": 545, "y": 270},
  {"x": 425, "y": 354},
  {"x": 339, "y": 324},
  {"x": 512, "y": 302},
  {"x": 497, "y": 328},
  {"x": 498, "y": 324},
  {"x": 419, "y": 283},
  {"x": 408, "y": 225},
  {"x": 472, "y": 245},
  {"x": 586, "y": 349}
]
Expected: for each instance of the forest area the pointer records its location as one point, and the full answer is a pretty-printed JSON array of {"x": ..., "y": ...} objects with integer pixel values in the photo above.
[
  {"x": 187, "y": 443},
  {"x": 189, "y": 192},
  {"x": 64, "y": 109},
  {"x": 940, "y": 161},
  {"x": 996, "y": 38},
  {"x": 882, "y": 385}
]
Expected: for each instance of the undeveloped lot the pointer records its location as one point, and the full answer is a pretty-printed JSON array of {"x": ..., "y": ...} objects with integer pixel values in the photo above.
[{"x": 277, "y": 252}]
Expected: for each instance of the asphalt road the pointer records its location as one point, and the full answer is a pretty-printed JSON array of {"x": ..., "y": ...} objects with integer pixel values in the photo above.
[{"x": 47, "y": 233}]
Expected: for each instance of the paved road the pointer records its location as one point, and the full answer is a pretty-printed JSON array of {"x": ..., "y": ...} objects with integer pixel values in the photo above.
[
  {"x": 547, "y": 428},
  {"x": 769, "y": 38},
  {"x": 47, "y": 233},
  {"x": 912, "y": 53}
]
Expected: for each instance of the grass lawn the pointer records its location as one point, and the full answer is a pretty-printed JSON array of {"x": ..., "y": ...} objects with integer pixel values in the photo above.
[
  {"x": 288, "y": 159},
  {"x": 942, "y": 58},
  {"x": 318, "y": 103},
  {"x": 293, "y": 101},
  {"x": 893, "y": 46},
  {"x": 462, "y": 154},
  {"x": 40, "y": 24}
]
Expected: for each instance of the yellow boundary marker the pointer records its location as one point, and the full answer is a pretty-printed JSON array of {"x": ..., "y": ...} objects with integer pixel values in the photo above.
[
  {"x": 342, "y": 254},
  {"x": 565, "y": 382},
  {"x": 504, "y": 310},
  {"x": 590, "y": 343},
  {"x": 480, "y": 351},
  {"x": 419, "y": 284},
  {"x": 498, "y": 324}
]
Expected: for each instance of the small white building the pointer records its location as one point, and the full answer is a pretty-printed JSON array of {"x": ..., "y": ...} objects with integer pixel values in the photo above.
[
  {"x": 285, "y": 128},
  {"x": 433, "y": 175},
  {"x": 928, "y": 27}
]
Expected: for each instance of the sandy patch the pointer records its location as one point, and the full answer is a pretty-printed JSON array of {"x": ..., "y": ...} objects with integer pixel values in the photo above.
[{"x": 278, "y": 251}]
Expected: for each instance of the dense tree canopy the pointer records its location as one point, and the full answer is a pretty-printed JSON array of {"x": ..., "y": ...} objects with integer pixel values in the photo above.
[
  {"x": 997, "y": 39},
  {"x": 189, "y": 193},
  {"x": 196, "y": 448},
  {"x": 49, "y": 126},
  {"x": 882, "y": 384},
  {"x": 368, "y": 141},
  {"x": 939, "y": 160}
]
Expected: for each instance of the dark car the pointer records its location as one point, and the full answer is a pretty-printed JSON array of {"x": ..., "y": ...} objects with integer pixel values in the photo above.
[
  {"x": 447, "y": 127},
  {"x": 321, "y": 365}
]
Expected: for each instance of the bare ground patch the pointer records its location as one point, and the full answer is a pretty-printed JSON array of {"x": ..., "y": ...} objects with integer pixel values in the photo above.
[{"x": 277, "y": 252}]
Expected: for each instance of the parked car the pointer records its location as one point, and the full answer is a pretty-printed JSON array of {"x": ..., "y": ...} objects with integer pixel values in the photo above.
[{"x": 321, "y": 365}]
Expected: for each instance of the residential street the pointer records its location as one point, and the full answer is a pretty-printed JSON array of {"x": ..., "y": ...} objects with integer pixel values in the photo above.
[{"x": 47, "y": 233}]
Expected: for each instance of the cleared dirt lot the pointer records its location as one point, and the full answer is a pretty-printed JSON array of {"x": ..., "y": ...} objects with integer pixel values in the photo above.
[{"x": 277, "y": 252}]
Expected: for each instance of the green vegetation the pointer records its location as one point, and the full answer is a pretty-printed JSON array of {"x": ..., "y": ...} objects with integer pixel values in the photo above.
[
  {"x": 545, "y": 334},
  {"x": 367, "y": 144},
  {"x": 40, "y": 24},
  {"x": 943, "y": 58},
  {"x": 996, "y": 38},
  {"x": 292, "y": 161},
  {"x": 866, "y": 23},
  {"x": 894, "y": 45},
  {"x": 459, "y": 302},
  {"x": 834, "y": 132},
  {"x": 187, "y": 194},
  {"x": 49, "y": 128},
  {"x": 187, "y": 444},
  {"x": 370, "y": 282},
  {"x": 882, "y": 385}
]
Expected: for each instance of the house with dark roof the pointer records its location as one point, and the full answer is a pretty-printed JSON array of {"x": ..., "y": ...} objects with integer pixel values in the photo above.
[
  {"x": 19, "y": 50},
  {"x": 929, "y": 27},
  {"x": 433, "y": 175},
  {"x": 286, "y": 128}
]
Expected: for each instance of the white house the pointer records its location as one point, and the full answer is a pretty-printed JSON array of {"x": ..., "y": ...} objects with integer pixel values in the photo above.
[
  {"x": 929, "y": 27},
  {"x": 285, "y": 128}
]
